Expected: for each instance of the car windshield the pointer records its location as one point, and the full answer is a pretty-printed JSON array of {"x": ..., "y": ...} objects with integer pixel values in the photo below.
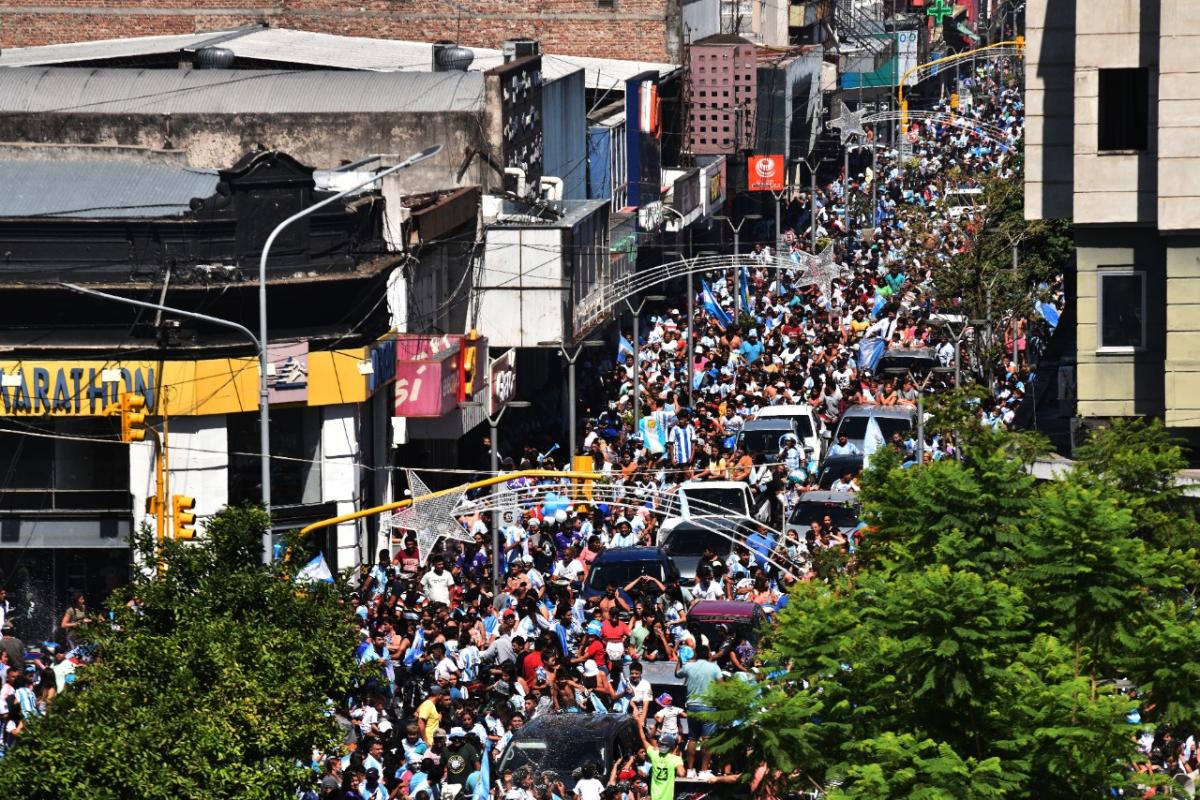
[
  {"x": 761, "y": 441},
  {"x": 856, "y": 427},
  {"x": 566, "y": 754},
  {"x": 622, "y": 572},
  {"x": 843, "y": 516},
  {"x": 832, "y": 470},
  {"x": 691, "y": 541},
  {"x": 803, "y": 423},
  {"x": 716, "y": 501}
]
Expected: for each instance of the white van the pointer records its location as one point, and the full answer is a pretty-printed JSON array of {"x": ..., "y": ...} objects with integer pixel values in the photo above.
[
  {"x": 807, "y": 426},
  {"x": 705, "y": 499}
]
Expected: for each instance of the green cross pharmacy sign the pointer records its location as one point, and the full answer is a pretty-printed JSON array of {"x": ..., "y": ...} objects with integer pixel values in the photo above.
[{"x": 939, "y": 10}]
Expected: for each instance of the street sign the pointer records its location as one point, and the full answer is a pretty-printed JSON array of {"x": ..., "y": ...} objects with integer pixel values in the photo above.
[
  {"x": 502, "y": 381},
  {"x": 765, "y": 174}
]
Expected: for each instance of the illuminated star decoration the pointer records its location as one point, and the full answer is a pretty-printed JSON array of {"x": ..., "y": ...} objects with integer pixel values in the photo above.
[
  {"x": 822, "y": 270},
  {"x": 848, "y": 122},
  {"x": 430, "y": 517}
]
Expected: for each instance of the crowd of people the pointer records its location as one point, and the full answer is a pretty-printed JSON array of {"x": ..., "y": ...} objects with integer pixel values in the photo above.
[
  {"x": 459, "y": 668},
  {"x": 458, "y": 660}
]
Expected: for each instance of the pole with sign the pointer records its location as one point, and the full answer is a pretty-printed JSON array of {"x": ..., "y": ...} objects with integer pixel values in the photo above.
[{"x": 502, "y": 387}]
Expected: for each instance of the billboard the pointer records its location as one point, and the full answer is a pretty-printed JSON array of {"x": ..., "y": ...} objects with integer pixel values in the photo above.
[
  {"x": 765, "y": 174},
  {"x": 287, "y": 372},
  {"x": 502, "y": 381},
  {"x": 428, "y": 375},
  {"x": 643, "y": 131}
]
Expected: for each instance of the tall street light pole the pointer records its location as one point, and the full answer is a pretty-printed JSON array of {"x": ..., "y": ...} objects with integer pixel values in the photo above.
[
  {"x": 571, "y": 359},
  {"x": 264, "y": 455},
  {"x": 737, "y": 230},
  {"x": 637, "y": 363},
  {"x": 264, "y": 414},
  {"x": 494, "y": 423}
]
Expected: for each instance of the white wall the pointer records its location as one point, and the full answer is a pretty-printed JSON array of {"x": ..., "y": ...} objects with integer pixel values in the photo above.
[
  {"x": 199, "y": 467},
  {"x": 339, "y": 475}
]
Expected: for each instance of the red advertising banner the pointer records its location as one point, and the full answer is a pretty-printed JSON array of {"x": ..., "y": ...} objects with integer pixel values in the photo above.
[
  {"x": 765, "y": 174},
  {"x": 428, "y": 375}
]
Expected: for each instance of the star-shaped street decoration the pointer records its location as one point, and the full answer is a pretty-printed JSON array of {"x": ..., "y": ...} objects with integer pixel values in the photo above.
[
  {"x": 431, "y": 516},
  {"x": 822, "y": 271},
  {"x": 848, "y": 122}
]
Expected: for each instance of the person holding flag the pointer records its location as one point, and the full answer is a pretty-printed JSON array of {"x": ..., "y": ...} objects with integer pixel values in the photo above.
[
  {"x": 713, "y": 308},
  {"x": 872, "y": 441}
]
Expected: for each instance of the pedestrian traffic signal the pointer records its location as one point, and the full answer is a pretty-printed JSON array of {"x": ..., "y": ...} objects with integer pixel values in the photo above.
[
  {"x": 152, "y": 506},
  {"x": 133, "y": 418},
  {"x": 181, "y": 507}
]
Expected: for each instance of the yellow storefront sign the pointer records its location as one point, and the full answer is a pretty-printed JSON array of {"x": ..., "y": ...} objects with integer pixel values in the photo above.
[{"x": 34, "y": 388}]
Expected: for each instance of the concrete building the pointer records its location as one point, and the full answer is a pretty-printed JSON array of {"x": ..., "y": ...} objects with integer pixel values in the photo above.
[{"x": 1112, "y": 144}]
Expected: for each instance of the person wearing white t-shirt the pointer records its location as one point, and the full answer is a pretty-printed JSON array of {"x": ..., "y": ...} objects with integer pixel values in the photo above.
[
  {"x": 588, "y": 788},
  {"x": 437, "y": 582}
]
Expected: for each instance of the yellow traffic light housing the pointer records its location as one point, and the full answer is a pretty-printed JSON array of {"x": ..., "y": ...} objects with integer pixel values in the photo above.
[
  {"x": 470, "y": 362},
  {"x": 133, "y": 418},
  {"x": 181, "y": 507}
]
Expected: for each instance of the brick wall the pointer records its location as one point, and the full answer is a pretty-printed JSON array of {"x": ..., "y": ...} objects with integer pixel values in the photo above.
[{"x": 632, "y": 29}]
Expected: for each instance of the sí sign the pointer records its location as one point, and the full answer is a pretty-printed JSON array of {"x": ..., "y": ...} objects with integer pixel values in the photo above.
[{"x": 428, "y": 375}]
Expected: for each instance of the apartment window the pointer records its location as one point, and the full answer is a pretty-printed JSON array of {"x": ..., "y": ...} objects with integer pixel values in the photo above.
[
  {"x": 1122, "y": 306},
  {"x": 1124, "y": 109}
]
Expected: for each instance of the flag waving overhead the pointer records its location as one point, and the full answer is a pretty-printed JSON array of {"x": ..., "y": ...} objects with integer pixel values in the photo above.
[
  {"x": 624, "y": 348},
  {"x": 713, "y": 308},
  {"x": 872, "y": 441}
]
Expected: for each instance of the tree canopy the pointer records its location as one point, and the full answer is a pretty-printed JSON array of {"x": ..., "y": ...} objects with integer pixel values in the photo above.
[
  {"x": 210, "y": 682},
  {"x": 981, "y": 641}
]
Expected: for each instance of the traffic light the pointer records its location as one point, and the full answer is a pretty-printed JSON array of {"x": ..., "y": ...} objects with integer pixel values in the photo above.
[
  {"x": 133, "y": 418},
  {"x": 181, "y": 507},
  {"x": 151, "y": 506},
  {"x": 470, "y": 362}
]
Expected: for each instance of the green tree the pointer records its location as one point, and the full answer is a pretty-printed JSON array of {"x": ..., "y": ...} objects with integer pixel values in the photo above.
[
  {"x": 973, "y": 646},
  {"x": 214, "y": 686}
]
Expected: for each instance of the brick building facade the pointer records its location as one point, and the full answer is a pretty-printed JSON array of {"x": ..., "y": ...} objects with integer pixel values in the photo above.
[{"x": 648, "y": 30}]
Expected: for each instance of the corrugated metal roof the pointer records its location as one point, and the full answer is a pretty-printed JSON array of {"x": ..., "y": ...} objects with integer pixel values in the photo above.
[
  {"x": 187, "y": 91},
  {"x": 103, "y": 49},
  {"x": 99, "y": 189},
  {"x": 287, "y": 45}
]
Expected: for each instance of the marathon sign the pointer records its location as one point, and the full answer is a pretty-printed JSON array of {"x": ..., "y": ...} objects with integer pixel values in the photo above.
[
  {"x": 765, "y": 174},
  {"x": 72, "y": 389}
]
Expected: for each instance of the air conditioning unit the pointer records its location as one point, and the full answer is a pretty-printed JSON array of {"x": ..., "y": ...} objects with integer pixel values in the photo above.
[{"x": 519, "y": 48}]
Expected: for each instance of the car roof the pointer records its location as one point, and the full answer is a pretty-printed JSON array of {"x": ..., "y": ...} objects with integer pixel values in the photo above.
[
  {"x": 723, "y": 608},
  {"x": 621, "y": 554},
  {"x": 596, "y": 726},
  {"x": 876, "y": 410},
  {"x": 722, "y": 522},
  {"x": 769, "y": 424},
  {"x": 712, "y": 485},
  {"x": 786, "y": 410},
  {"x": 822, "y": 496}
]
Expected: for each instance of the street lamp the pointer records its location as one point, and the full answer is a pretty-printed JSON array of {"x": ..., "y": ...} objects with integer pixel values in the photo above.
[
  {"x": 737, "y": 230},
  {"x": 637, "y": 366},
  {"x": 264, "y": 426},
  {"x": 571, "y": 359},
  {"x": 494, "y": 423}
]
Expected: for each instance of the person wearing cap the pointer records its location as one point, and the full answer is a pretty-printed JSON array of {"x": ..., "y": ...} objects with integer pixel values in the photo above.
[
  {"x": 667, "y": 716},
  {"x": 665, "y": 762},
  {"x": 461, "y": 759}
]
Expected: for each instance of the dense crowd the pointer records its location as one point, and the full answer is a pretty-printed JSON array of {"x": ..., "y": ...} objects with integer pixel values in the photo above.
[
  {"x": 459, "y": 660},
  {"x": 459, "y": 669}
]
